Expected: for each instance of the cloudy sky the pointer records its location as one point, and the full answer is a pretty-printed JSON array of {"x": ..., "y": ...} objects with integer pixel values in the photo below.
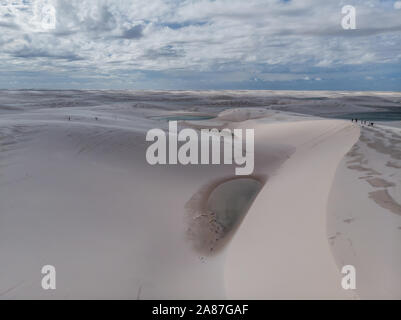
[{"x": 200, "y": 44}]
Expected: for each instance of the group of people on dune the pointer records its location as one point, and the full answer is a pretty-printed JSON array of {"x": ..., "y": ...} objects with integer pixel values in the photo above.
[{"x": 363, "y": 122}]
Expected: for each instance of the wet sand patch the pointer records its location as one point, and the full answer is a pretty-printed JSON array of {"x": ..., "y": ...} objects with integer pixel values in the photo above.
[
  {"x": 379, "y": 146},
  {"x": 365, "y": 177},
  {"x": 380, "y": 183},
  {"x": 354, "y": 151},
  {"x": 364, "y": 169},
  {"x": 393, "y": 165},
  {"x": 396, "y": 136},
  {"x": 394, "y": 141},
  {"x": 357, "y": 159},
  {"x": 386, "y": 201}
]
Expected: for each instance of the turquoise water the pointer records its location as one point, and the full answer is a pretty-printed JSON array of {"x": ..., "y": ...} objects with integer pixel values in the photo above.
[
  {"x": 184, "y": 117},
  {"x": 373, "y": 116}
]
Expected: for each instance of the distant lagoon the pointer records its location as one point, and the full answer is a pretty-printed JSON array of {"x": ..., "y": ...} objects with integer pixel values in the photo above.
[
  {"x": 184, "y": 117},
  {"x": 372, "y": 116}
]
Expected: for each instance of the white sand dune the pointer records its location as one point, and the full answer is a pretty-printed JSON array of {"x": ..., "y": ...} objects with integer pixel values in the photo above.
[
  {"x": 365, "y": 212},
  {"x": 284, "y": 233},
  {"x": 78, "y": 194},
  {"x": 82, "y": 198}
]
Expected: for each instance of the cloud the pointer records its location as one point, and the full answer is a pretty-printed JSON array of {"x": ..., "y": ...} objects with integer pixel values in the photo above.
[
  {"x": 8, "y": 25},
  {"x": 164, "y": 52},
  {"x": 221, "y": 39},
  {"x": 29, "y": 53},
  {"x": 135, "y": 32}
]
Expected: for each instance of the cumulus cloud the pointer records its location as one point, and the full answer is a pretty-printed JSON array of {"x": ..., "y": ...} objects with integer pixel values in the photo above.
[{"x": 263, "y": 39}]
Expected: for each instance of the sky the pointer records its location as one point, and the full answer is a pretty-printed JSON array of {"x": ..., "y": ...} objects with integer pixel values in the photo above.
[{"x": 199, "y": 44}]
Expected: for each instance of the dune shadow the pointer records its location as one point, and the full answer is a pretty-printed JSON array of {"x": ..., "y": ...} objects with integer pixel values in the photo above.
[{"x": 217, "y": 209}]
